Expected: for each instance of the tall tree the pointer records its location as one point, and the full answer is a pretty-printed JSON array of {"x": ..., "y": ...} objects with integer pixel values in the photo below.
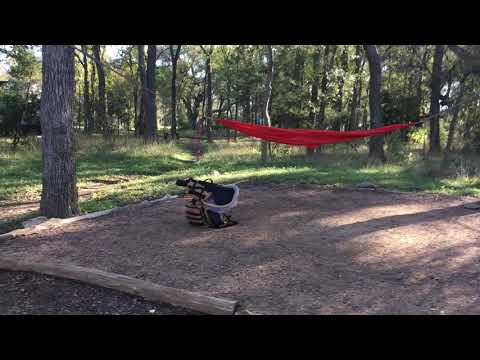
[
  {"x": 174, "y": 55},
  {"x": 376, "y": 153},
  {"x": 101, "y": 107},
  {"x": 87, "y": 106},
  {"x": 435, "y": 93},
  {"x": 93, "y": 94},
  {"x": 359, "y": 63},
  {"x": 315, "y": 85},
  {"x": 418, "y": 92},
  {"x": 208, "y": 73},
  {"x": 268, "y": 97},
  {"x": 327, "y": 65},
  {"x": 59, "y": 197},
  {"x": 151, "y": 108},
  {"x": 140, "y": 126},
  {"x": 341, "y": 78},
  {"x": 453, "y": 122},
  {"x": 314, "y": 92},
  {"x": 133, "y": 75}
]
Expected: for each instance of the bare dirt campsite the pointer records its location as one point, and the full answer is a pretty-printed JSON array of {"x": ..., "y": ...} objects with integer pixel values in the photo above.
[
  {"x": 296, "y": 250},
  {"x": 240, "y": 180}
]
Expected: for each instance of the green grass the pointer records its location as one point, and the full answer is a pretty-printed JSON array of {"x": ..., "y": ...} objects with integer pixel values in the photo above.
[{"x": 150, "y": 171}]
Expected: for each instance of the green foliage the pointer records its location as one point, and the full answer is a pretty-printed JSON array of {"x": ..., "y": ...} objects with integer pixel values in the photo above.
[
  {"x": 418, "y": 135},
  {"x": 14, "y": 105},
  {"x": 146, "y": 172},
  {"x": 20, "y": 97}
]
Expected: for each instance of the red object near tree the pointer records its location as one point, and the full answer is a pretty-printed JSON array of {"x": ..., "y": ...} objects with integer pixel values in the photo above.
[{"x": 305, "y": 137}]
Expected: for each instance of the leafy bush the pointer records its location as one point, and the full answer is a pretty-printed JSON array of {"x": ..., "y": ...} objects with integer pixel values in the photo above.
[{"x": 14, "y": 105}]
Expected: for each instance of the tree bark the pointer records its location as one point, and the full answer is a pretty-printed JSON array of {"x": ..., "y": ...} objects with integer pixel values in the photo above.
[
  {"x": 453, "y": 123},
  {"x": 323, "y": 86},
  {"x": 174, "y": 57},
  {"x": 314, "y": 95},
  {"x": 87, "y": 107},
  {"x": 418, "y": 93},
  {"x": 435, "y": 86},
  {"x": 151, "y": 108},
  {"x": 268, "y": 97},
  {"x": 236, "y": 118},
  {"x": 376, "y": 153},
  {"x": 134, "y": 75},
  {"x": 93, "y": 96},
  {"x": 209, "y": 99},
  {"x": 359, "y": 62},
  {"x": 140, "y": 126},
  {"x": 101, "y": 102},
  {"x": 299, "y": 74},
  {"x": 208, "y": 79},
  {"x": 341, "y": 79},
  {"x": 204, "y": 100},
  {"x": 470, "y": 120},
  {"x": 59, "y": 197}
]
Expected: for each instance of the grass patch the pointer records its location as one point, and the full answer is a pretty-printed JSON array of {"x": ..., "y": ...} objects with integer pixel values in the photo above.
[{"x": 147, "y": 172}]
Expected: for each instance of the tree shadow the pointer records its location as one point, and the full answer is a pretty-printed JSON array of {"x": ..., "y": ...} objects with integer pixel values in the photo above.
[{"x": 295, "y": 251}]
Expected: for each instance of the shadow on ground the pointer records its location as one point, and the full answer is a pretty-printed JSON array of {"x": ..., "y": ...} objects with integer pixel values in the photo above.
[{"x": 296, "y": 250}]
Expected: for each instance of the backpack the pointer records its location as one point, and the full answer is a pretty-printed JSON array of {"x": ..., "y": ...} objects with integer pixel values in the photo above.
[{"x": 208, "y": 203}]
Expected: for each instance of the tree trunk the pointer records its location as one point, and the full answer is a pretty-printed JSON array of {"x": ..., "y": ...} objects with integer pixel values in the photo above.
[
  {"x": 204, "y": 100},
  {"x": 236, "y": 118},
  {"x": 93, "y": 96},
  {"x": 174, "y": 57},
  {"x": 453, "y": 123},
  {"x": 196, "y": 109},
  {"x": 323, "y": 87},
  {"x": 298, "y": 74},
  {"x": 140, "y": 126},
  {"x": 246, "y": 114},
  {"x": 268, "y": 97},
  {"x": 229, "y": 111},
  {"x": 209, "y": 99},
  {"x": 418, "y": 92},
  {"x": 135, "y": 90},
  {"x": 314, "y": 95},
  {"x": 341, "y": 79},
  {"x": 435, "y": 86},
  {"x": 59, "y": 191},
  {"x": 315, "y": 84},
  {"x": 359, "y": 62},
  {"x": 470, "y": 120},
  {"x": 87, "y": 107},
  {"x": 376, "y": 153},
  {"x": 101, "y": 103},
  {"x": 151, "y": 96}
]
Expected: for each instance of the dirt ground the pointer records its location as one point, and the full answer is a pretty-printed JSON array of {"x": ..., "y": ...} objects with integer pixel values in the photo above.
[
  {"x": 11, "y": 210},
  {"x": 296, "y": 250},
  {"x": 35, "y": 294}
]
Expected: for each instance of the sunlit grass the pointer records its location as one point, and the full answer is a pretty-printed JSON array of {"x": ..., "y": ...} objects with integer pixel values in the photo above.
[{"x": 149, "y": 171}]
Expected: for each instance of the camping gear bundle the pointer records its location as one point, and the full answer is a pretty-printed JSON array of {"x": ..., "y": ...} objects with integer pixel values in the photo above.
[{"x": 208, "y": 203}]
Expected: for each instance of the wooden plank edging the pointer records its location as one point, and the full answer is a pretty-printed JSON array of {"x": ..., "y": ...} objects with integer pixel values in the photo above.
[
  {"x": 145, "y": 289},
  {"x": 54, "y": 222}
]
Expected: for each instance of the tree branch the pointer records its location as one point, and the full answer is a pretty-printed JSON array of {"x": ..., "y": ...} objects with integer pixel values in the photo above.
[{"x": 471, "y": 63}]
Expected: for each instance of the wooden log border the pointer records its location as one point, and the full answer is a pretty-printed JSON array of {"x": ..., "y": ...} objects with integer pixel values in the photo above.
[
  {"x": 54, "y": 222},
  {"x": 145, "y": 289}
]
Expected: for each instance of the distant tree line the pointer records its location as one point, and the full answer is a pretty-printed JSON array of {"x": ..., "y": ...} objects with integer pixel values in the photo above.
[{"x": 152, "y": 89}]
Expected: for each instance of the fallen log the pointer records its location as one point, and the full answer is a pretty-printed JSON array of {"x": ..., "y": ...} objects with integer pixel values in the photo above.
[{"x": 145, "y": 289}]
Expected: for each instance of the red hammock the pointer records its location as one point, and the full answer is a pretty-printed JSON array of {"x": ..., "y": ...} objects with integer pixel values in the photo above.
[{"x": 302, "y": 137}]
